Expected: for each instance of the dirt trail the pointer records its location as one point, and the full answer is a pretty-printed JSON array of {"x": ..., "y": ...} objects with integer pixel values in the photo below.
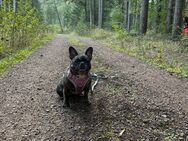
[
  {"x": 145, "y": 102},
  {"x": 166, "y": 89}
]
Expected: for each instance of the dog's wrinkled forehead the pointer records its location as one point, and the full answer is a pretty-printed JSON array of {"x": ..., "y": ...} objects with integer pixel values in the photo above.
[
  {"x": 80, "y": 58},
  {"x": 73, "y": 54}
]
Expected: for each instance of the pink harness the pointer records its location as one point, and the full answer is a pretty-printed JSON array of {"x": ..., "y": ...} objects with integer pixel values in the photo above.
[
  {"x": 186, "y": 30},
  {"x": 79, "y": 83}
]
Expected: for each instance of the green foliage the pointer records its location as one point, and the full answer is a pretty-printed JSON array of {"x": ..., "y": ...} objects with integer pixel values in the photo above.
[
  {"x": 2, "y": 52},
  {"x": 54, "y": 28},
  {"x": 18, "y": 29},
  {"x": 159, "y": 51},
  {"x": 70, "y": 13},
  {"x": 21, "y": 31},
  {"x": 121, "y": 33},
  {"x": 116, "y": 16},
  {"x": 157, "y": 16},
  {"x": 100, "y": 34},
  {"x": 82, "y": 28},
  {"x": 21, "y": 54},
  {"x": 74, "y": 41}
]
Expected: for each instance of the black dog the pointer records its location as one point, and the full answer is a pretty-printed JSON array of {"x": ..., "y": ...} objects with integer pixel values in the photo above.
[{"x": 77, "y": 79}]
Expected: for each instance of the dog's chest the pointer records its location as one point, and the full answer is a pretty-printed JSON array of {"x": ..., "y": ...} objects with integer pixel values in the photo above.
[{"x": 78, "y": 82}]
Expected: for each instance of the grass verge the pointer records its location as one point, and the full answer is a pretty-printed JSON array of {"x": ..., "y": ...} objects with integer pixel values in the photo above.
[
  {"x": 74, "y": 41},
  {"x": 20, "y": 55},
  {"x": 157, "y": 50}
]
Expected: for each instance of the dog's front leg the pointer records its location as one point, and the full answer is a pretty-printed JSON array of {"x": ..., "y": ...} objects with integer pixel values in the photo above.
[
  {"x": 86, "y": 96},
  {"x": 66, "y": 98}
]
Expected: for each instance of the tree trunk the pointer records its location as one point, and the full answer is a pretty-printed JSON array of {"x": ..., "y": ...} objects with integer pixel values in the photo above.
[
  {"x": 1, "y": 3},
  {"x": 136, "y": 16},
  {"x": 158, "y": 16},
  {"x": 56, "y": 10},
  {"x": 95, "y": 13},
  {"x": 92, "y": 12},
  {"x": 126, "y": 3},
  {"x": 14, "y": 5},
  {"x": 88, "y": 11},
  {"x": 144, "y": 16},
  {"x": 177, "y": 24},
  {"x": 100, "y": 21},
  {"x": 13, "y": 27},
  {"x": 129, "y": 16},
  {"x": 85, "y": 8},
  {"x": 151, "y": 22},
  {"x": 169, "y": 18}
]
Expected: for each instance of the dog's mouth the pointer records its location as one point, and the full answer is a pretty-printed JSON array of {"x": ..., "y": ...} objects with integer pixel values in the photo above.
[
  {"x": 82, "y": 69},
  {"x": 82, "y": 73},
  {"x": 82, "y": 76}
]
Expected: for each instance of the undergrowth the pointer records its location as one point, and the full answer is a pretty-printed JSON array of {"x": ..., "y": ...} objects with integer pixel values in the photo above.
[
  {"x": 158, "y": 50},
  {"x": 21, "y": 54},
  {"x": 74, "y": 41}
]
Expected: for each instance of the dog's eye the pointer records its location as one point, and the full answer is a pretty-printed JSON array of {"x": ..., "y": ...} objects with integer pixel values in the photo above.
[{"x": 77, "y": 61}]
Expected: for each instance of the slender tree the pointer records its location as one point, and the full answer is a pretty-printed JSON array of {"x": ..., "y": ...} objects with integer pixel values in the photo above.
[
  {"x": 158, "y": 15},
  {"x": 169, "y": 18},
  {"x": 144, "y": 16},
  {"x": 0, "y": 2},
  {"x": 14, "y": 5},
  {"x": 92, "y": 12},
  {"x": 151, "y": 15},
  {"x": 95, "y": 13},
  {"x": 129, "y": 23},
  {"x": 136, "y": 15},
  {"x": 56, "y": 10},
  {"x": 87, "y": 12},
  {"x": 126, "y": 3},
  {"x": 177, "y": 24},
  {"x": 100, "y": 17}
]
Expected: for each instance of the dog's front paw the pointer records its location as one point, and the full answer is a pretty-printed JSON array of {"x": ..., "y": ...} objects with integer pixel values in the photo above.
[
  {"x": 66, "y": 105},
  {"x": 87, "y": 103}
]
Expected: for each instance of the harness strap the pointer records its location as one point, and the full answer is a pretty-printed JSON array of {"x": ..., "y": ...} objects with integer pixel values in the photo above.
[{"x": 78, "y": 82}]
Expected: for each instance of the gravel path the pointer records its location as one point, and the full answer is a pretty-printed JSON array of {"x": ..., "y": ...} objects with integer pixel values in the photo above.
[
  {"x": 145, "y": 102},
  {"x": 166, "y": 88}
]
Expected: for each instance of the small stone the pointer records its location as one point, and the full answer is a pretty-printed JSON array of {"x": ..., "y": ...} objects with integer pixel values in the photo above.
[
  {"x": 165, "y": 116},
  {"x": 47, "y": 110},
  {"x": 39, "y": 88},
  {"x": 145, "y": 120},
  {"x": 166, "y": 120},
  {"x": 37, "y": 132}
]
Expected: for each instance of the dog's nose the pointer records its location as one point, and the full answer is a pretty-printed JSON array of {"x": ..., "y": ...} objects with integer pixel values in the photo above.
[{"x": 82, "y": 65}]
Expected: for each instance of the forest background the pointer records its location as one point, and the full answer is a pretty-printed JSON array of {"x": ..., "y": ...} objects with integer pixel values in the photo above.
[{"x": 151, "y": 30}]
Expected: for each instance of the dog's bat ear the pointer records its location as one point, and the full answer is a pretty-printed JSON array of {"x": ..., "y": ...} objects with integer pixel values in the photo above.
[
  {"x": 72, "y": 52},
  {"x": 89, "y": 52}
]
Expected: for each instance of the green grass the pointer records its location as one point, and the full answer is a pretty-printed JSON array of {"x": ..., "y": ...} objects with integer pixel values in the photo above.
[
  {"x": 157, "y": 50},
  {"x": 74, "y": 41},
  {"x": 22, "y": 54}
]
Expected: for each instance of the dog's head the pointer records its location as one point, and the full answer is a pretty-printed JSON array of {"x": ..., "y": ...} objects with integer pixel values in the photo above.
[{"x": 80, "y": 63}]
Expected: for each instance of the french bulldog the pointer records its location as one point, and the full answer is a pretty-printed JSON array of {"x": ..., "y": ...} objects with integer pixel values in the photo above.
[{"x": 77, "y": 78}]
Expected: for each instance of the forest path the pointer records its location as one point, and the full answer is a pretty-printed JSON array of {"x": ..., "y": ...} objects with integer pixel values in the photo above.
[{"x": 143, "y": 101}]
